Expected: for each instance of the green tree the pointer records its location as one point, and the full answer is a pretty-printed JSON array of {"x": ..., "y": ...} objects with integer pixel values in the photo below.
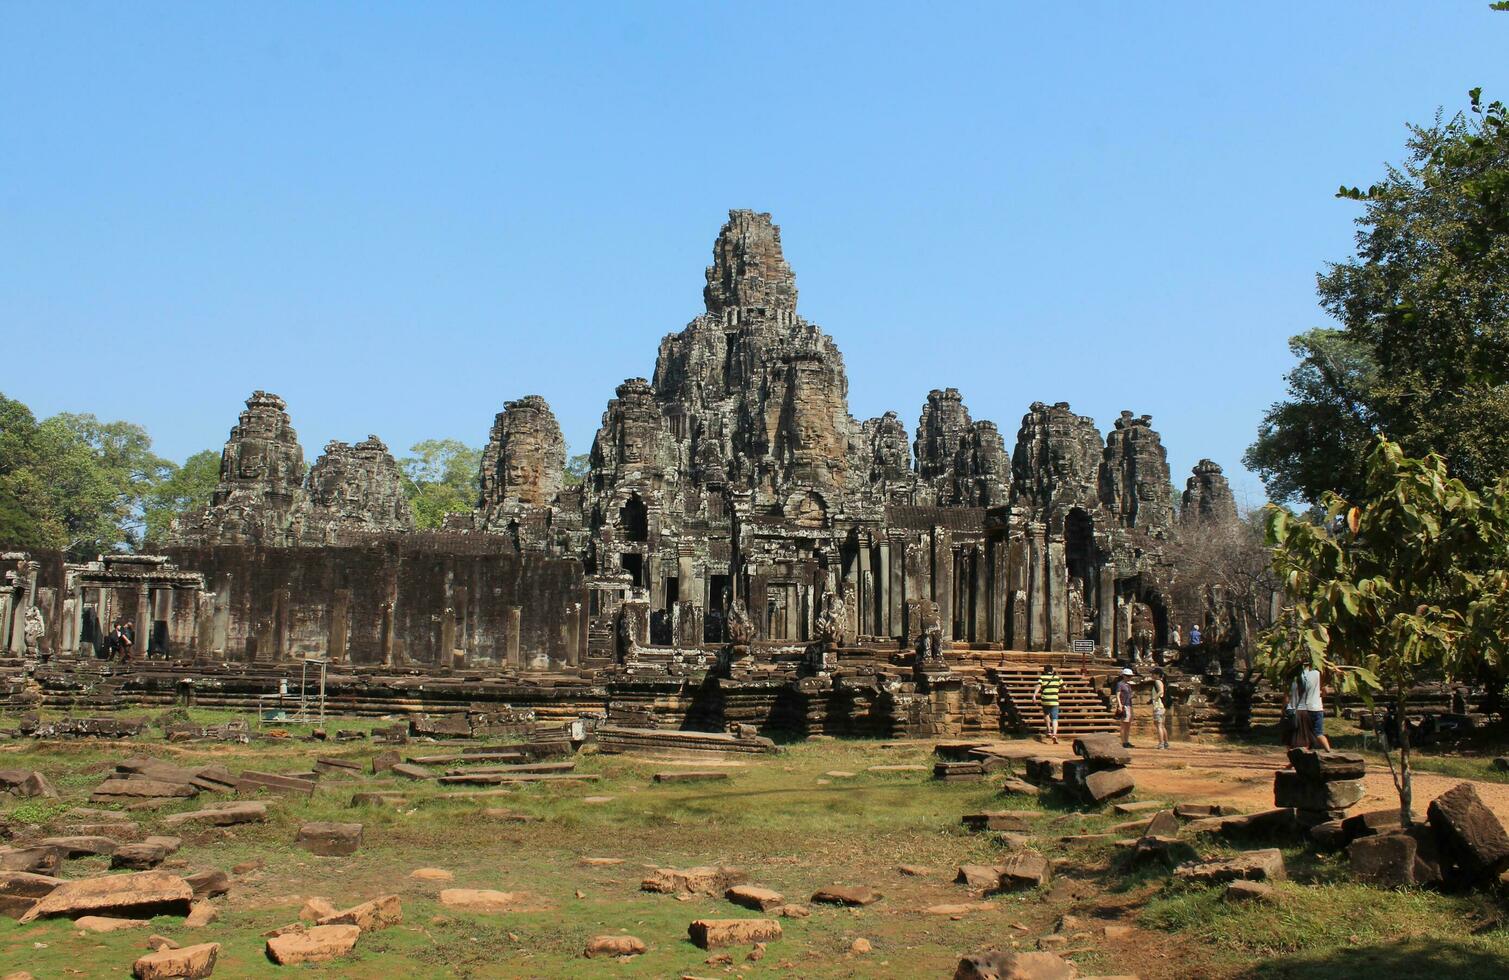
[
  {"x": 577, "y": 468},
  {"x": 26, "y": 509},
  {"x": 1407, "y": 581},
  {"x": 1422, "y": 353},
  {"x": 184, "y": 488},
  {"x": 441, "y": 476}
]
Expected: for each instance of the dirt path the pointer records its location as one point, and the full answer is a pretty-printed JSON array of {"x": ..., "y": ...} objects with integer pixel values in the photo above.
[{"x": 1244, "y": 776}]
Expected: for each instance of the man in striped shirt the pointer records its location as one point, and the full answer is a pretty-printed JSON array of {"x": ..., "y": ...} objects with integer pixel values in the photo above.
[{"x": 1046, "y": 694}]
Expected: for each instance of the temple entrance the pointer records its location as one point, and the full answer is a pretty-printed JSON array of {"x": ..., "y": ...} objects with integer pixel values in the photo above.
[
  {"x": 780, "y": 612},
  {"x": 634, "y": 519},
  {"x": 634, "y": 565}
]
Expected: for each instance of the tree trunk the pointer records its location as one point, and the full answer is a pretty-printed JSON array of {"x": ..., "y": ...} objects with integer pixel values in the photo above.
[{"x": 1406, "y": 787}]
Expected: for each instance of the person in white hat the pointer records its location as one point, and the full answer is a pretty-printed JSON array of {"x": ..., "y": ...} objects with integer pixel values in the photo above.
[{"x": 1124, "y": 706}]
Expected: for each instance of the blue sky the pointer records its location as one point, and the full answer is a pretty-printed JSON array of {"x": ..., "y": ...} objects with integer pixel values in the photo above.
[{"x": 400, "y": 216}]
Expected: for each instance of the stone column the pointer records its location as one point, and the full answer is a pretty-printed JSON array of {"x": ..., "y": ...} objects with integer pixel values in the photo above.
[
  {"x": 7, "y": 602},
  {"x": 1058, "y": 590},
  {"x": 511, "y": 655},
  {"x": 204, "y": 625},
  {"x": 1105, "y": 622},
  {"x": 884, "y": 590},
  {"x": 389, "y": 645},
  {"x": 339, "y": 627},
  {"x": 943, "y": 580},
  {"x": 446, "y": 655},
  {"x": 143, "y": 620},
  {"x": 979, "y": 620}
]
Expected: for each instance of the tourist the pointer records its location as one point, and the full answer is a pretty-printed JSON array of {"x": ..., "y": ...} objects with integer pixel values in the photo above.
[
  {"x": 1194, "y": 634},
  {"x": 1309, "y": 712},
  {"x": 1046, "y": 694},
  {"x": 1159, "y": 709},
  {"x": 1175, "y": 641},
  {"x": 1124, "y": 706},
  {"x": 128, "y": 640}
]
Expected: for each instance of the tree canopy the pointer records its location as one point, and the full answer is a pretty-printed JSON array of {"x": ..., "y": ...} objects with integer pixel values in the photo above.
[
  {"x": 184, "y": 488},
  {"x": 1422, "y": 351},
  {"x": 1408, "y": 580},
  {"x": 441, "y": 476}
]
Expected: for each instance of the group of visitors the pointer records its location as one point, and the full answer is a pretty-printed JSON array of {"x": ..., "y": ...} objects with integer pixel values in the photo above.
[
  {"x": 1176, "y": 639},
  {"x": 120, "y": 642},
  {"x": 1050, "y": 683}
]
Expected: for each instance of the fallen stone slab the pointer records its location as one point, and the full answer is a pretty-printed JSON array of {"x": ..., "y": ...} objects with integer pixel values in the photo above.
[
  {"x": 329, "y": 839},
  {"x": 1139, "y": 806},
  {"x": 410, "y": 771},
  {"x": 141, "y": 893},
  {"x": 896, "y": 768},
  {"x": 692, "y": 881},
  {"x": 379, "y": 913},
  {"x": 480, "y": 755},
  {"x": 337, "y": 766},
  {"x": 317, "y": 944},
  {"x": 614, "y": 946},
  {"x": 716, "y": 933},
  {"x": 182, "y": 963},
  {"x": 384, "y": 761},
  {"x": 138, "y": 857},
  {"x": 479, "y": 899},
  {"x": 1193, "y": 811},
  {"x": 1278, "y": 822},
  {"x": 1325, "y": 765},
  {"x": 1107, "y": 784},
  {"x": 201, "y": 914},
  {"x": 752, "y": 897},
  {"x": 1017, "y": 821},
  {"x": 38, "y": 860},
  {"x": 1385, "y": 860},
  {"x": 997, "y": 964},
  {"x": 208, "y": 884},
  {"x": 1370, "y": 823},
  {"x": 252, "y": 781},
  {"x": 690, "y": 776},
  {"x": 119, "y": 788},
  {"x": 27, "y": 783},
  {"x": 107, "y": 923},
  {"x": 1023, "y": 869},
  {"x": 1329, "y": 835},
  {"x": 1262, "y": 865},
  {"x": 317, "y": 908},
  {"x": 380, "y": 798},
  {"x": 1102, "y": 750},
  {"x": 851, "y": 895},
  {"x": 1291, "y": 789},
  {"x": 20, "y": 890},
  {"x": 222, "y": 815},
  {"x": 80, "y": 846},
  {"x": 981, "y": 877},
  {"x": 1470, "y": 835}
]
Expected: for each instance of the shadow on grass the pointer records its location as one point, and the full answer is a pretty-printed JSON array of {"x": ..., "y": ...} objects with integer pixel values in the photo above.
[{"x": 1457, "y": 959}]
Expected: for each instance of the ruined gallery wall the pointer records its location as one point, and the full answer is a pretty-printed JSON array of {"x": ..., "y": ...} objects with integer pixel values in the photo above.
[{"x": 391, "y": 600}]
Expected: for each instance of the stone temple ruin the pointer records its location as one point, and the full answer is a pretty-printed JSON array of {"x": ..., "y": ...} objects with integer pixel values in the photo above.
[{"x": 742, "y": 549}]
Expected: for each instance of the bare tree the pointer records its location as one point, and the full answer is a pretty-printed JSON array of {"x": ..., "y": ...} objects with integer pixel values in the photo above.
[{"x": 1223, "y": 573}]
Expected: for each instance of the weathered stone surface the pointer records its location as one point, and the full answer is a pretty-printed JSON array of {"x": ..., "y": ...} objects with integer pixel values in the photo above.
[
  {"x": 330, "y": 839},
  {"x": 479, "y": 899},
  {"x": 20, "y": 890},
  {"x": 1167, "y": 851},
  {"x": 1104, "y": 749},
  {"x": 221, "y": 815},
  {"x": 846, "y": 895},
  {"x": 692, "y": 881},
  {"x": 379, "y": 913},
  {"x": 1469, "y": 833},
  {"x": 1163, "y": 824},
  {"x": 384, "y": 761},
  {"x": 200, "y": 915},
  {"x": 1387, "y": 860},
  {"x": 1262, "y": 865},
  {"x": 26, "y": 783},
  {"x": 141, "y": 893},
  {"x": 614, "y": 946},
  {"x": 187, "y": 962},
  {"x": 352, "y": 489},
  {"x": 1207, "y": 496},
  {"x": 1024, "y": 869},
  {"x": 752, "y": 897},
  {"x": 1017, "y": 821},
  {"x": 432, "y": 874},
  {"x": 999, "y": 964},
  {"x": 108, "y": 923},
  {"x": 209, "y": 883},
  {"x": 77, "y": 846},
  {"x": 1291, "y": 789},
  {"x": 410, "y": 771},
  {"x": 1107, "y": 784},
  {"x": 980, "y": 877},
  {"x": 1324, "y": 766},
  {"x": 317, "y": 908},
  {"x": 523, "y": 468},
  {"x": 116, "y": 789},
  {"x": 1134, "y": 478},
  {"x": 33, "y": 859},
  {"x": 715, "y": 933},
  {"x": 317, "y": 944},
  {"x": 1329, "y": 835},
  {"x": 138, "y": 857},
  {"x": 251, "y": 782}
]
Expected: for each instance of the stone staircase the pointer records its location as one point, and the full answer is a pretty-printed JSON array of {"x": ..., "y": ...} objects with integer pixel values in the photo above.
[{"x": 1082, "y": 708}]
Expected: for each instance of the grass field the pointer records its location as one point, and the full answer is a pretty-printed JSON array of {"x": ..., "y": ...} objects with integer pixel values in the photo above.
[{"x": 808, "y": 817}]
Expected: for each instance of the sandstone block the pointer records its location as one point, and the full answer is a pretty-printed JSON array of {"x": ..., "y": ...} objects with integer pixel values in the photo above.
[
  {"x": 1019, "y": 821},
  {"x": 1023, "y": 869},
  {"x": 999, "y": 964},
  {"x": 1262, "y": 865},
  {"x": 1242, "y": 890},
  {"x": 183, "y": 963},
  {"x": 479, "y": 899},
  {"x": 1102, "y": 750},
  {"x": 200, "y": 915},
  {"x": 1325, "y": 766},
  {"x": 1163, "y": 824},
  {"x": 37, "y": 860},
  {"x": 108, "y": 923},
  {"x": 223, "y": 815},
  {"x": 692, "y": 881},
  {"x": 1290, "y": 789},
  {"x": 1386, "y": 860},
  {"x": 79, "y": 846},
  {"x": 715, "y": 933},
  {"x": 614, "y": 946},
  {"x": 379, "y": 913},
  {"x": 317, "y": 944},
  {"x": 139, "y": 857},
  {"x": 752, "y": 897},
  {"x": 330, "y": 839},
  {"x": 1469, "y": 833},
  {"x": 846, "y": 895},
  {"x": 20, "y": 890},
  {"x": 1108, "y": 784},
  {"x": 317, "y": 908},
  {"x": 209, "y": 883},
  {"x": 140, "y": 893}
]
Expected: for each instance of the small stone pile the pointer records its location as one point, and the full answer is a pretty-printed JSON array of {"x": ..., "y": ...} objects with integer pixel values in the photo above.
[
  {"x": 1461, "y": 845},
  {"x": 1320, "y": 786},
  {"x": 1100, "y": 773}
]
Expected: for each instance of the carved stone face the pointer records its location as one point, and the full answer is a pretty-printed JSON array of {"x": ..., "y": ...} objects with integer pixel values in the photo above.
[
  {"x": 523, "y": 456},
  {"x": 635, "y": 443}
]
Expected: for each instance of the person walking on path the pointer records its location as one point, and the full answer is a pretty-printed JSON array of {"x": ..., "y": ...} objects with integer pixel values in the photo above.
[
  {"x": 1159, "y": 709},
  {"x": 1046, "y": 694},
  {"x": 1309, "y": 711},
  {"x": 1124, "y": 706}
]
